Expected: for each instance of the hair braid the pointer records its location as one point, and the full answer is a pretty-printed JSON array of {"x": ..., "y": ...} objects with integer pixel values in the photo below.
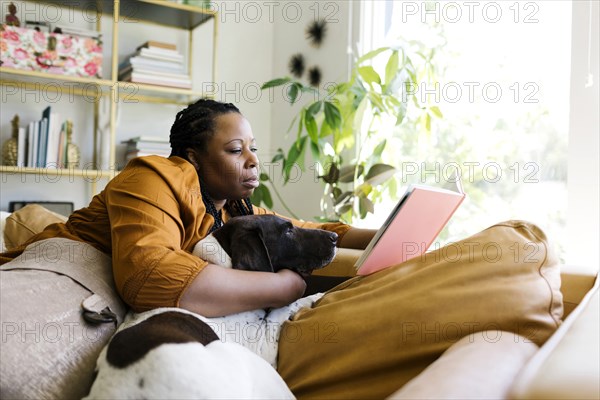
[{"x": 194, "y": 126}]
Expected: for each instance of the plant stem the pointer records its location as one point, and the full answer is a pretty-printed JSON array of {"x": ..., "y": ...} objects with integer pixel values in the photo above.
[{"x": 292, "y": 214}]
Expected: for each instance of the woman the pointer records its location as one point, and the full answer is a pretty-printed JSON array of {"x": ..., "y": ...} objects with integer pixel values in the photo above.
[
  {"x": 366, "y": 338},
  {"x": 151, "y": 215}
]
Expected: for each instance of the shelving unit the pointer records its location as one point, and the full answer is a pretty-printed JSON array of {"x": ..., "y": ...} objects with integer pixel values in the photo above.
[{"x": 157, "y": 12}]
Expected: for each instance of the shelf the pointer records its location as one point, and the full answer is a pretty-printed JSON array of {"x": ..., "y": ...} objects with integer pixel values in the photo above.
[
  {"x": 111, "y": 16},
  {"x": 53, "y": 173},
  {"x": 53, "y": 77},
  {"x": 159, "y": 12},
  {"x": 127, "y": 91}
]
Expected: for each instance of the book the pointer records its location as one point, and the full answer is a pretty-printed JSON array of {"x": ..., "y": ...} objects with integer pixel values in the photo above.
[
  {"x": 160, "y": 55},
  {"x": 21, "y": 147},
  {"x": 54, "y": 126},
  {"x": 147, "y": 138},
  {"x": 126, "y": 71},
  {"x": 412, "y": 226},
  {"x": 157, "y": 80},
  {"x": 155, "y": 64},
  {"x": 31, "y": 143},
  {"x": 154, "y": 43},
  {"x": 42, "y": 143}
]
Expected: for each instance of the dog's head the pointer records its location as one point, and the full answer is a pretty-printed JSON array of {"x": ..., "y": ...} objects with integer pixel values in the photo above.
[{"x": 270, "y": 243}]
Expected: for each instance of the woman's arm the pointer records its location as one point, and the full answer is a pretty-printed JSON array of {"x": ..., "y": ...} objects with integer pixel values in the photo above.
[
  {"x": 357, "y": 238},
  {"x": 218, "y": 291}
]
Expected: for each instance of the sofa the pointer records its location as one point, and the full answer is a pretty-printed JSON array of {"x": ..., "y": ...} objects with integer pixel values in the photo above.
[{"x": 39, "y": 360}]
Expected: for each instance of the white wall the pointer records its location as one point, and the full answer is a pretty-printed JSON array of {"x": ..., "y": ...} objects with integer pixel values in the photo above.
[
  {"x": 583, "y": 176},
  {"x": 303, "y": 194}
]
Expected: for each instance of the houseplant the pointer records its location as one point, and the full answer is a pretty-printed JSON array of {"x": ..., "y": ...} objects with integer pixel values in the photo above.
[{"x": 343, "y": 128}]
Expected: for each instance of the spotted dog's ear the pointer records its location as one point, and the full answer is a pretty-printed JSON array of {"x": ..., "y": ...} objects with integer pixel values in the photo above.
[{"x": 250, "y": 253}]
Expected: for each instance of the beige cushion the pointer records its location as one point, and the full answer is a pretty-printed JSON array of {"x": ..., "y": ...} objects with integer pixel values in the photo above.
[
  {"x": 481, "y": 366},
  {"x": 371, "y": 335},
  {"x": 48, "y": 351},
  {"x": 26, "y": 222}
]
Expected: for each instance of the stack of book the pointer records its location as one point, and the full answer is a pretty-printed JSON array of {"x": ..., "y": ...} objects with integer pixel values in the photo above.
[
  {"x": 156, "y": 63},
  {"x": 145, "y": 146},
  {"x": 43, "y": 144}
]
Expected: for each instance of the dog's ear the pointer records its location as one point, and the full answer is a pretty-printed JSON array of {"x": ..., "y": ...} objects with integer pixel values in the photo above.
[{"x": 250, "y": 253}]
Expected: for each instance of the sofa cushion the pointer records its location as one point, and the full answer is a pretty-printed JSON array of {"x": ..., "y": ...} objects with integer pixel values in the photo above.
[
  {"x": 49, "y": 350},
  {"x": 374, "y": 333},
  {"x": 26, "y": 222}
]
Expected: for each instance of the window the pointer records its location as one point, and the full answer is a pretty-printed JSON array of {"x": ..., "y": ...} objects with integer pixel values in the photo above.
[{"x": 503, "y": 85}]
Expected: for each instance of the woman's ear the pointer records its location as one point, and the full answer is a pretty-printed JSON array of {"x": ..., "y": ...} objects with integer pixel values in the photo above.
[{"x": 192, "y": 158}]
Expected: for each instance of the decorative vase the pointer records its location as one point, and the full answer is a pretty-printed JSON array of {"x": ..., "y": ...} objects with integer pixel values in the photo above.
[
  {"x": 73, "y": 153},
  {"x": 10, "y": 147}
]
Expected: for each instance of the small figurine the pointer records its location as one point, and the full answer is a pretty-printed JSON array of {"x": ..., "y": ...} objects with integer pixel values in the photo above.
[
  {"x": 73, "y": 153},
  {"x": 9, "y": 148},
  {"x": 11, "y": 18}
]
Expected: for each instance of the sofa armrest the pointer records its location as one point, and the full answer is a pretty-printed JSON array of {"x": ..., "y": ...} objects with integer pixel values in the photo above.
[
  {"x": 568, "y": 365},
  {"x": 342, "y": 264},
  {"x": 479, "y": 366},
  {"x": 576, "y": 282}
]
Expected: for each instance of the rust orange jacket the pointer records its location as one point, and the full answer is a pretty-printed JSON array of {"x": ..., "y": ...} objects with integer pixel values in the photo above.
[{"x": 149, "y": 217}]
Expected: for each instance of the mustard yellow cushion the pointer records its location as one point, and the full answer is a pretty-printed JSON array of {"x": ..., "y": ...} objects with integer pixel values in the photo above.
[
  {"x": 26, "y": 222},
  {"x": 369, "y": 336}
]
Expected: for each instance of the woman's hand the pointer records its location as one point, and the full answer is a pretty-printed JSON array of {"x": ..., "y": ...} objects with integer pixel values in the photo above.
[
  {"x": 293, "y": 286},
  {"x": 218, "y": 291}
]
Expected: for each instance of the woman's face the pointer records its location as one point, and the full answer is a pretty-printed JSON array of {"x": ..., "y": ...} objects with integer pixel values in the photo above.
[{"x": 229, "y": 168}]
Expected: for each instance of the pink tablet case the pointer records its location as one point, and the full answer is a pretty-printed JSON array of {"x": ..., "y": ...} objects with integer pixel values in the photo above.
[{"x": 421, "y": 217}]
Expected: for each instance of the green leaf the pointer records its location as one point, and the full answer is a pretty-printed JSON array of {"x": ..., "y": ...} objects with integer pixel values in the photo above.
[
  {"x": 347, "y": 173},
  {"x": 435, "y": 110},
  {"x": 371, "y": 54},
  {"x": 391, "y": 68},
  {"x": 275, "y": 82},
  {"x": 336, "y": 192},
  {"x": 311, "y": 128},
  {"x": 333, "y": 116},
  {"x": 262, "y": 195},
  {"x": 377, "y": 101},
  {"x": 379, "y": 149},
  {"x": 365, "y": 206},
  {"x": 315, "y": 149},
  {"x": 428, "y": 123},
  {"x": 279, "y": 155},
  {"x": 379, "y": 173},
  {"x": 314, "y": 108},
  {"x": 363, "y": 189},
  {"x": 292, "y": 124},
  {"x": 256, "y": 198},
  {"x": 344, "y": 209},
  {"x": 325, "y": 129},
  {"x": 369, "y": 74},
  {"x": 293, "y": 92},
  {"x": 332, "y": 175},
  {"x": 342, "y": 197},
  {"x": 263, "y": 177},
  {"x": 267, "y": 197},
  {"x": 294, "y": 157},
  {"x": 400, "y": 113}
]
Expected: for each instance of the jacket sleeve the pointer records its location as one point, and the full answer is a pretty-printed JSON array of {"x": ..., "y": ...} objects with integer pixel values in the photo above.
[
  {"x": 152, "y": 225},
  {"x": 340, "y": 228}
]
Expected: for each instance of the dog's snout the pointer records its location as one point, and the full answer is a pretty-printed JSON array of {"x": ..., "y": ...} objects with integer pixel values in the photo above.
[{"x": 333, "y": 236}]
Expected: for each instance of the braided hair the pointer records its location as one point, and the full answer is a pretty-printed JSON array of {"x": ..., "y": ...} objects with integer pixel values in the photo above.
[{"x": 194, "y": 126}]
